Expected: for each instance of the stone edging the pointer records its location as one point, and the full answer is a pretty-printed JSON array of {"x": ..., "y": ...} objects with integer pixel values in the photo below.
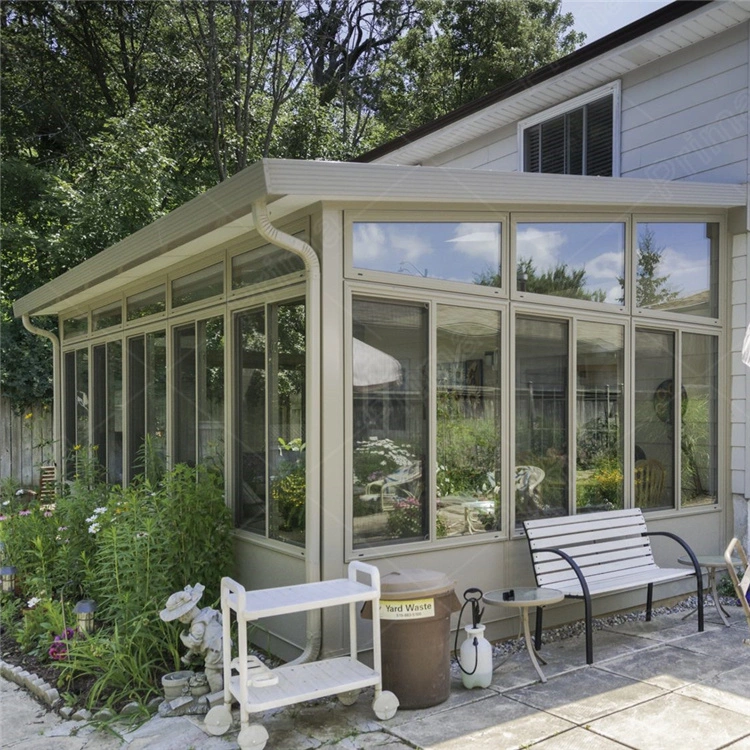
[{"x": 41, "y": 689}]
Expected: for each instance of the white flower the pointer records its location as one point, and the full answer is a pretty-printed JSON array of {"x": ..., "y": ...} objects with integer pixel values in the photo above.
[
  {"x": 33, "y": 602},
  {"x": 7, "y": 502},
  {"x": 93, "y": 528}
]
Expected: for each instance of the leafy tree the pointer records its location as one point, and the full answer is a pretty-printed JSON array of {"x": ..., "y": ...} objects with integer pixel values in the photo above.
[
  {"x": 560, "y": 281},
  {"x": 464, "y": 49},
  {"x": 651, "y": 290}
]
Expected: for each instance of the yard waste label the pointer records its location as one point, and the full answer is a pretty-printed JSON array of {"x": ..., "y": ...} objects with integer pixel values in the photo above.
[{"x": 407, "y": 609}]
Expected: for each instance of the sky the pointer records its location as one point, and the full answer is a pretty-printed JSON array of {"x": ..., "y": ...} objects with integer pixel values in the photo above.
[{"x": 596, "y": 18}]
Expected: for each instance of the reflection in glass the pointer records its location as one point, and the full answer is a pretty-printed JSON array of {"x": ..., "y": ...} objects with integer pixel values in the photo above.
[
  {"x": 699, "y": 419},
  {"x": 286, "y": 423},
  {"x": 106, "y": 428},
  {"x": 572, "y": 259},
  {"x": 73, "y": 327},
  {"x": 210, "y": 373},
  {"x": 146, "y": 303},
  {"x": 208, "y": 282},
  {"x": 678, "y": 267},
  {"x": 600, "y": 377},
  {"x": 541, "y": 419},
  {"x": 264, "y": 264},
  {"x": 655, "y": 405},
  {"x": 467, "y": 482},
  {"x": 389, "y": 371},
  {"x": 107, "y": 316},
  {"x": 183, "y": 394},
  {"x": 454, "y": 251},
  {"x": 251, "y": 423},
  {"x": 76, "y": 407}
]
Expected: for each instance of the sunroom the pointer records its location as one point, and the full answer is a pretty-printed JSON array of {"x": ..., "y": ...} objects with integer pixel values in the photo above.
[{"x": 401, "y": 364}]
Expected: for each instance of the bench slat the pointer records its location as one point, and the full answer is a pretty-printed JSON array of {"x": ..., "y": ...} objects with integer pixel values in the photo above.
[
  {"x": 612, "y": 570},
  {"x": 613, "y": 585},
  {"x": 624, "y": 557},
  {"x": 633, "y": 543},
  {"x": 625, "y": 526},
  {"x": 585, "y": 537},
  {"x": 610, "y": 516}
]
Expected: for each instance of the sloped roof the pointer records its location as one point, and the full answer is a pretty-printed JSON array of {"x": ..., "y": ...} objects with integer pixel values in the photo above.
[{"x": 650, "y": 38}]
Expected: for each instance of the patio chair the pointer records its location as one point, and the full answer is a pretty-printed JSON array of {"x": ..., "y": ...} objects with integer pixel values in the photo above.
[
  {"x": 741, "y": 585},
  {"x": 649, "y": 482},
  {"x": 386, "y": 491}
]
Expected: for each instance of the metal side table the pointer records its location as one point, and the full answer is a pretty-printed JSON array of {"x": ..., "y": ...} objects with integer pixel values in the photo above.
[
  {"x": 711, "y": 563},
  {"x": 523, "y": 599}
]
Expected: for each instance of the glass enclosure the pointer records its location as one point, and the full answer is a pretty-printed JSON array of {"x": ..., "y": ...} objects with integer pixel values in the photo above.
[{"x": 389, "y": 376}]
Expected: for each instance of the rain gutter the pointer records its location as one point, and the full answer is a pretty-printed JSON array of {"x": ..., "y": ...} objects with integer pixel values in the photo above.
[
  {"x": 56, "y": 391},
  {"x": 312, "y": 416}
]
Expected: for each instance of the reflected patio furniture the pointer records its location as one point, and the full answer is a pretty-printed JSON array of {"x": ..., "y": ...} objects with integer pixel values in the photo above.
[
  {"x": 528, "y": 479},
  {"x": 385, "y": 492},
  {"x": 473, "y": 512},
  {"x": 649, "y": 482},
  {"x": 741, "y": 585}
]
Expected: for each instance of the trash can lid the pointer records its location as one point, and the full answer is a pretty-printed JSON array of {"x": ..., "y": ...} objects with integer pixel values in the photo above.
[{"x": 409, "y": 582}]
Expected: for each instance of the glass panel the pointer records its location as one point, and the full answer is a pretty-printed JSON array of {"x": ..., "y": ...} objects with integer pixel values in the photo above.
[
  {"x": 654, "y": 419},
  {"x": 600, "y": 403},
  {"x": 82, "y": 397},
  {"x": 286, "y": 427},
  {"x": 572, "y": 259},
  {"x": 114, "y": 412},
  {"x": 531, "y": 148},
  {"x": 70, "y": 407},
  {"x": 184, "y": 395},
  {"x": 389, "y": 371},
  {"x": 454, "y": 251},
  {"x": 73, "y": 327},
  {"x": 146, "y": 303},
  {"x": 208, "y": 282},
  {"x": 599, "y": 138},
  {"x": 251, "y": 420},
  {"x": 541, "y": 473},
  {"x": 264, "y": 264},
  {"x": 156, "y": 397},
  {"x": 553, "y": 146},
  {"x": 574, "y": 142},
  {"x": 99, "y": 404},
  {"x": 108, "y": 316},
  {"x": 136, "y": 412},
  {"x": 678, "y": 268},
  {"x": 699, "y": 419},
  {"x": 211, "y": 392},
  {"x": 467, "y": 484}
]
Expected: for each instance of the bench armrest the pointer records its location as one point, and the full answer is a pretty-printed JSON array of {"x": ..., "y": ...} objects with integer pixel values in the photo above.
[
  {"x": 683, "y": 544},
  {"x": 573, "y": 564}
]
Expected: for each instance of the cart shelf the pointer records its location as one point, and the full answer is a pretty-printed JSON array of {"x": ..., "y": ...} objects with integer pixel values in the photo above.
[{"x": 294, "y": 683}]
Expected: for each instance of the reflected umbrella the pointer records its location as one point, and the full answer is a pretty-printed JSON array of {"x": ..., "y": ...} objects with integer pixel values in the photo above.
[{"x": 373, "y": 368}]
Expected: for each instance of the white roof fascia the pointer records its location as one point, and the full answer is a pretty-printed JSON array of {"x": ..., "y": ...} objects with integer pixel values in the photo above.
[
  {"x": 225, "y": 211},
  {"x": 703, "y": 23}
]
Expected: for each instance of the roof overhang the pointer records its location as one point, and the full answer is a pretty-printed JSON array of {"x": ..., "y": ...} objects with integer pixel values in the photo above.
[
  {"x": 225, "y": 212},
  {"x": 651, "y": 38}
]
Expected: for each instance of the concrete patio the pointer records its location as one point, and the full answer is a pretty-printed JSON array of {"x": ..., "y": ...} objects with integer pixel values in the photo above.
[{"x": 654, "y": 685}]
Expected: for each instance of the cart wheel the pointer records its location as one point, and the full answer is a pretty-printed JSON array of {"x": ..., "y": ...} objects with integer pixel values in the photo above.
[
  {"x": 385, "y": 705},
  {"x": 218, "y": 720},
  {"x": 252, "y": 737},
  {"x": 348, "y": 698}
]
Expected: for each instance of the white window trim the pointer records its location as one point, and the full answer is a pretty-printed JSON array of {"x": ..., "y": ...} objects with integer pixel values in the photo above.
[{"x": 614, "y": 88}]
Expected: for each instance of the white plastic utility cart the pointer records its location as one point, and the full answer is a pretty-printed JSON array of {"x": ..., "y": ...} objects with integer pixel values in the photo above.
[{"x": 257, "y": 688}]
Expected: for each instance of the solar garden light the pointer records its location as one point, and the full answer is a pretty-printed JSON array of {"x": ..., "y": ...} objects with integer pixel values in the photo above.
[
  {"x": 84, "y": 611},
  {"x": 8, "y": 578}
]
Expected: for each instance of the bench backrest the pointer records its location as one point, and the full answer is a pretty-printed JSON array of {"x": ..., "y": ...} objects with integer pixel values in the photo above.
[{"x": 602, "y": 544}]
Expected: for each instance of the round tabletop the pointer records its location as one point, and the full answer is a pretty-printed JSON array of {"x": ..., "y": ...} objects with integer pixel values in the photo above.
[
  {"x": 524, "y": 596},
  {"x": 706, "y": 561}
]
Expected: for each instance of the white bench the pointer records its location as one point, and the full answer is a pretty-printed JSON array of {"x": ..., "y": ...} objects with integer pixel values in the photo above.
[{"x": 601, "y": 553}]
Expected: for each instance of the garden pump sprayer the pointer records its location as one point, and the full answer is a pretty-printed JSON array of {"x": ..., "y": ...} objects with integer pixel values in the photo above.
[{"x": 475, "y": 655}]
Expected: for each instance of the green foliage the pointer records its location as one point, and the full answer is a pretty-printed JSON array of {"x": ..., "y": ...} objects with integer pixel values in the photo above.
[
  {"x": 288, "y": 493},
  {"x": 129, "y": 549},
  {"x": 405, "y": 519}
]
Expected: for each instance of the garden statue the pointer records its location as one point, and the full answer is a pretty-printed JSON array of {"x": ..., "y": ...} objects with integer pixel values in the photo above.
[{"x": 203, "y": 637}]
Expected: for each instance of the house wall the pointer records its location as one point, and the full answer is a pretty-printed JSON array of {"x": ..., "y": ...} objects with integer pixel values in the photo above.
[{"x": 683, "y": 117}]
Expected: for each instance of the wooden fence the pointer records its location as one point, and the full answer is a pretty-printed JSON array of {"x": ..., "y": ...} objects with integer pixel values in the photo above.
[{"x": 25, "y": 443}]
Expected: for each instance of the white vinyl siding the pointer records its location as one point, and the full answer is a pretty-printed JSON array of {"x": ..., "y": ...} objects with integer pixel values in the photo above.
[{"x": 685, "y": 117}]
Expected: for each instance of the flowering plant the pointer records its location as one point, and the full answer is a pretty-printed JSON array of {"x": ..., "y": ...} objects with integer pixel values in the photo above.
[
  {"x": 376, "y": 458},
  {"x": 405, "y": 519},
  {"x": 59, "y": 648}
]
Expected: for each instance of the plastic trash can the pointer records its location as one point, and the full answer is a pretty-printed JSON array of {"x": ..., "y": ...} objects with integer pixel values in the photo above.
[{"x": 415, "y": 611}]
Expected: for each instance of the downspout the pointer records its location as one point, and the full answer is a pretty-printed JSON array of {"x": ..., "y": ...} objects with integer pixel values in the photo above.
[
  {"x": 56, "y": 391},
  {"x": 312, "y": 416}
]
